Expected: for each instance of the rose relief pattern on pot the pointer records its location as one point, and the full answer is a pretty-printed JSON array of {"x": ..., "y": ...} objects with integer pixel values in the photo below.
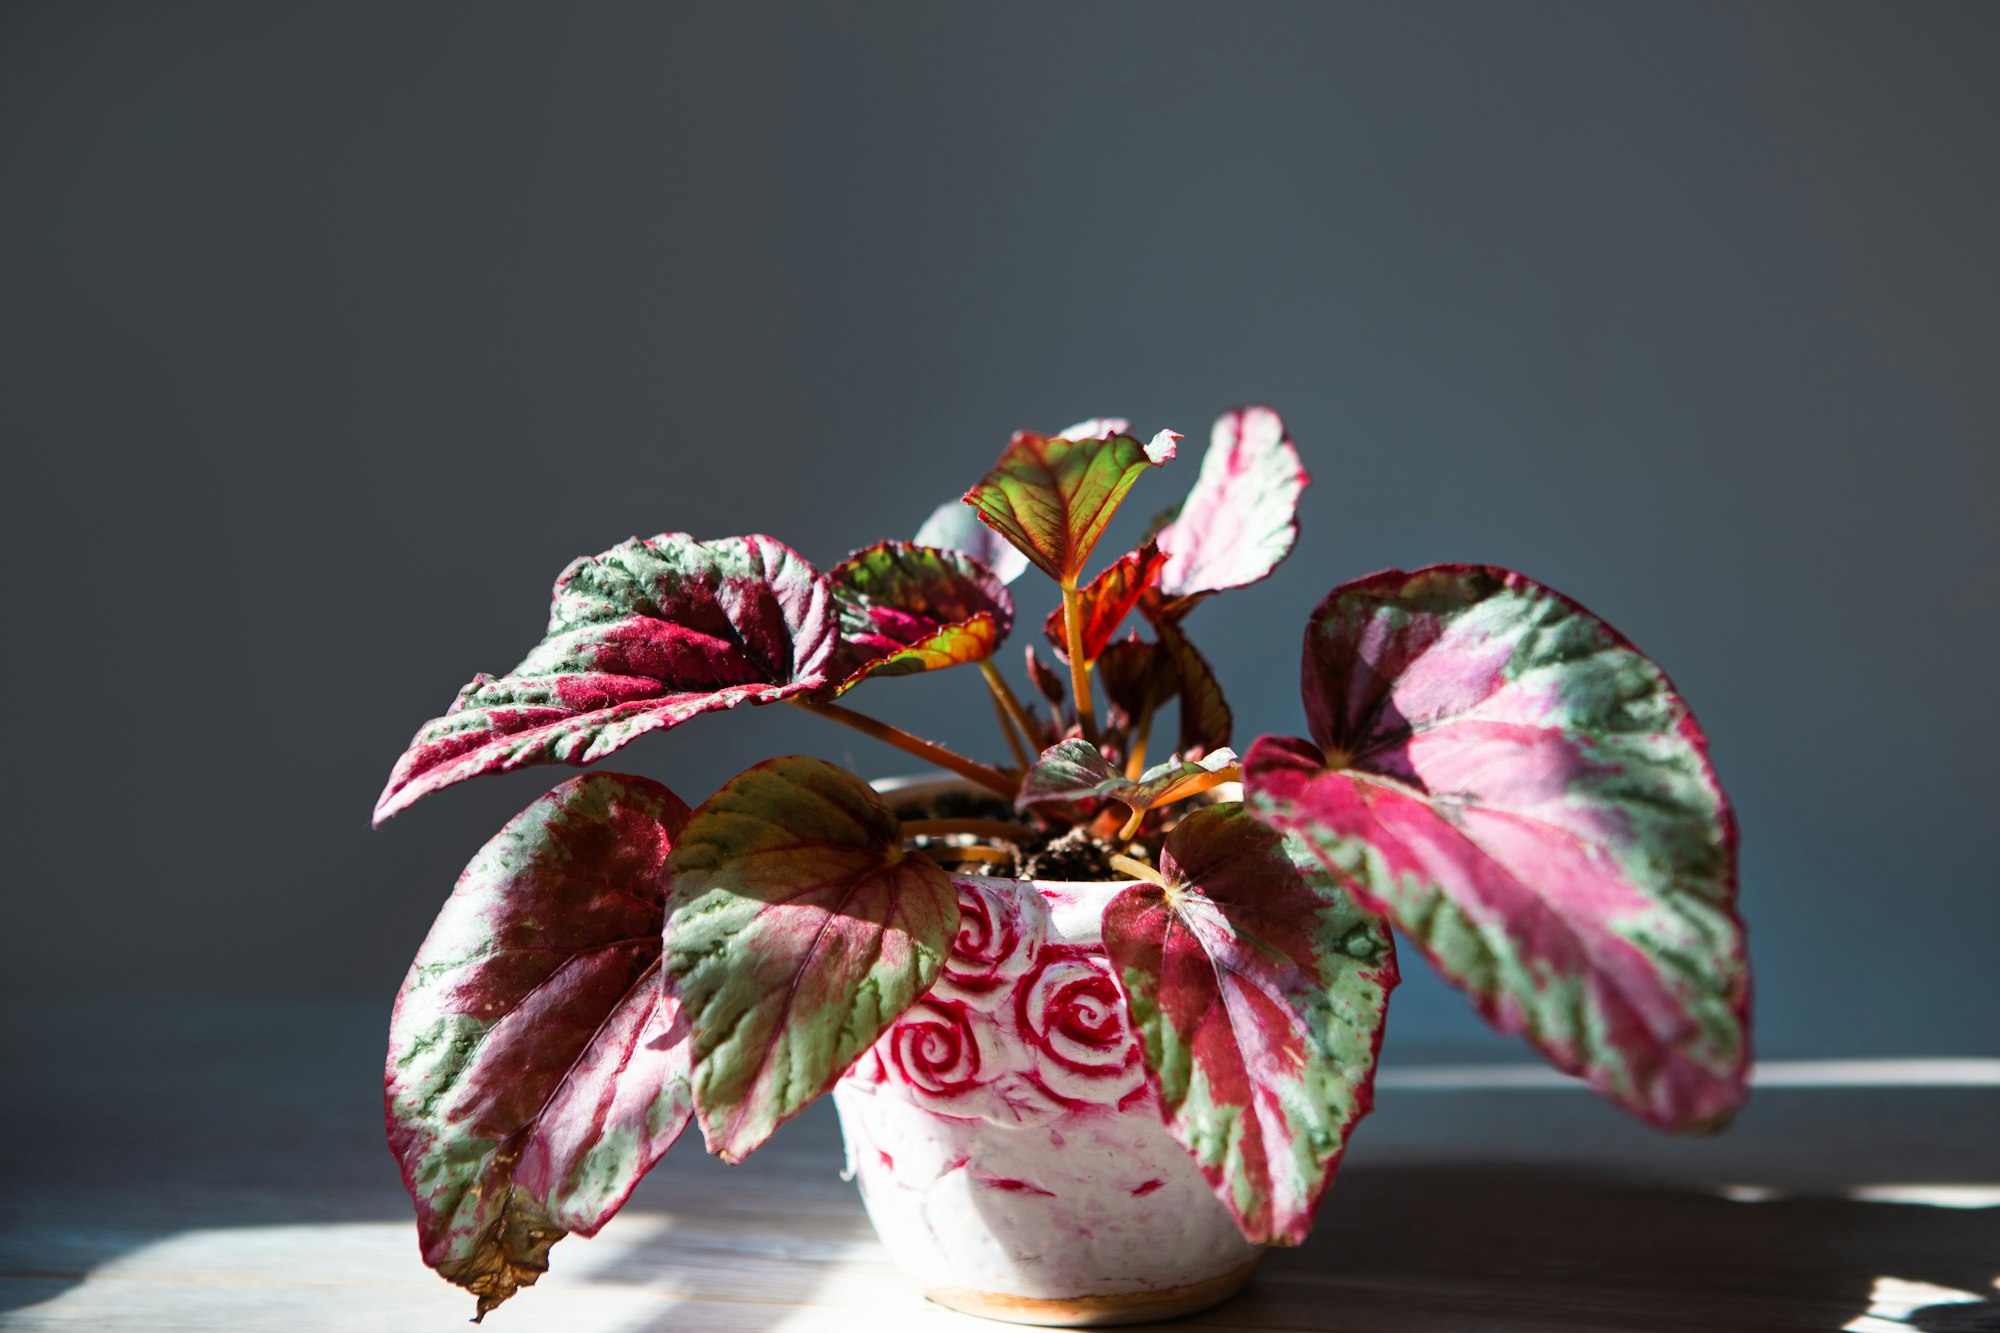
[{"x": 1003, "y": 1128}]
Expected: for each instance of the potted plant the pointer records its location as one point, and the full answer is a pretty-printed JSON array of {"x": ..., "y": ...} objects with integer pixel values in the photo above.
[{"x": 1098, "y": 1027}]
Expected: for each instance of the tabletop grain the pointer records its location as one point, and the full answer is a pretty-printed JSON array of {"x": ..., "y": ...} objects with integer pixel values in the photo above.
[{"x": 220, "y": 1167}]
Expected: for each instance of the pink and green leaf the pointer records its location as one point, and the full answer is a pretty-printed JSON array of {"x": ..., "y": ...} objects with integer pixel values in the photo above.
[
  {"x": 906, "y": 609},
  {"x": 799, "y": 931},
  {"x": 1052, "y": 497},
  {"x": 1107, "y": 600},
  {"x": 955, "y": 526},
  {"x": 1258, "y": 990},
  {"x": 535, "y": 1072},
  {"x": 1527, "y": 796},
  {"x": 1240, "y": 520},
  {"x": 1074, "y": 772},
  {"x": 641, "y": 638}
]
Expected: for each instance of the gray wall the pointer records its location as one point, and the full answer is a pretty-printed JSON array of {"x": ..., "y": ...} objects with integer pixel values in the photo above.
[{"x": 332, "y": 332}]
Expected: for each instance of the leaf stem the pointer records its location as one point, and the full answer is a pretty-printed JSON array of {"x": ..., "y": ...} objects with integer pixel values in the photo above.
[
  {"x": 1142, "y": 735},
  {"x": 1180, "y": 791},
  {"x": 990, "y": 778},
  {"x": 1136, "y": 869},
  {"x": 1079, "y": 670},
  {"x": 1010, "y": 711},
  {"x": 1198, "y": 784}
]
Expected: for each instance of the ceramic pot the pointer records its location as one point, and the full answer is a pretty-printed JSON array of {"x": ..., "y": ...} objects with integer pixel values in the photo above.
[{"x": 1008, "y": 1147}]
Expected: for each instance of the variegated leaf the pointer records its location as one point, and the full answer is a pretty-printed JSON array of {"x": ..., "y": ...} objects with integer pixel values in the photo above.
[
  {"x": 644, "y": 637},
  {"x": 1106, "y": 600},
  {"x": 1241, "y": 518},
  {"x": 1528, "y": 797},
  {"x": 536, "y": 1070},
  {"x": 910, "y": 608},
  {"x": 799, "y": 931},
  {"x": 1074, "y": 771},
  {"x": 955, "y": 526},
  {"x": 1258, "y": 990},
  {"x": 1052, "y": 497}
]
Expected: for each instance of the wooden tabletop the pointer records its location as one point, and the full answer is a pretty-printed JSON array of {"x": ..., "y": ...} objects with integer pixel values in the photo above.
[{"x": 213, "y": 1167}]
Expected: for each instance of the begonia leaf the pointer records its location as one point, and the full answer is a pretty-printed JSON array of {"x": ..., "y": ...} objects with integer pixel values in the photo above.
[
  {"x": 1138, "y": 677},
  {"x": 955, "y": 526},
  {"x": 1258, "y": 991},
  {"x": 1205, "y": 720},
  {"x": 643, "y": 637},
  {"x": 906, "y": 608},
  {"x": 1075, "y": 771},
  {"x": 799, "y": 931},
  {"x": 535, "y": 1068},
  {"x": 1527, "y": 797},
  {"x": 1106, "y": 600},
  {"x": 1097, "y": 428},
  {"x": 1052, "y": 497},
  {"x": 1048, "y": 683},
  {"x": 1241, "y": 517}
]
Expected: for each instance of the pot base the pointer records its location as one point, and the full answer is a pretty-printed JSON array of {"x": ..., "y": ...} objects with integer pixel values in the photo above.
[{"x": 1131, "y": 1307}]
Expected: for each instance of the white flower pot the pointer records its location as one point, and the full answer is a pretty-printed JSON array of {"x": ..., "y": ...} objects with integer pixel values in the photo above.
[{"x": 1008, "y": 1147}]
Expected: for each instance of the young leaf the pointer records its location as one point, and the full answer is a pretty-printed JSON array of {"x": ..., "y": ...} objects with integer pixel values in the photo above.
[
  {"x": 954, "y": 526},
  {"x": 1241, "y": 518},
  {"x": 535, "y": 1072},
  {"x": 1098, "y": 428},
  {"x": 909, "y": 608},
  {"x": 1527, "y": 796},
  {"x": 1106, "y": 601},
  {"x": 1051, "y": 497},
  {"x": 1138, "y": 678},
  {"x": 643, "y": 637},
  {"x": 1074, "y": 771},
  {"x": 1206, "y": 722},
  {"x": 799, "y": 931},
  {"x": 1048, "y": 684},
  {"x": 1258, "y": 991}
]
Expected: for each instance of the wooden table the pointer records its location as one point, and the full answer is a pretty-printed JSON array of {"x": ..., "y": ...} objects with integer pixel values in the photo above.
[{"x": 210, "y": 1167}]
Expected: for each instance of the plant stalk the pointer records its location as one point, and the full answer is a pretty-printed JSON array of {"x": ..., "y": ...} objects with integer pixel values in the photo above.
[
  {"x": 990, "y": 778},
  {"x": 1010, "y": 711},
  {"x": 1142, "y": 735},
  {"x": 1136, "y": 869},
  {"x": 1180, "y": 791},
  {"x": 1079, "y": 670}
]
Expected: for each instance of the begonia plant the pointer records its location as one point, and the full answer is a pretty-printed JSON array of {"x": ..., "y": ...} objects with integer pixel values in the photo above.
[{"x": 1492, "y": 770}]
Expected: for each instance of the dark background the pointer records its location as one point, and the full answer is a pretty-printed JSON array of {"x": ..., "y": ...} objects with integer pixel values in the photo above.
[{"x": 331, "y": 333}]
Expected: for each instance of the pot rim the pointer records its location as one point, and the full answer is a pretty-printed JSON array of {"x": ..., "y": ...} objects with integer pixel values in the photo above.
[{"x": 903, "y": 782}]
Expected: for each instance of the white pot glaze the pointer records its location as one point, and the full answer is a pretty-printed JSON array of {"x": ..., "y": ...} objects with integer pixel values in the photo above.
[{"x": 1003, "y": 1133}]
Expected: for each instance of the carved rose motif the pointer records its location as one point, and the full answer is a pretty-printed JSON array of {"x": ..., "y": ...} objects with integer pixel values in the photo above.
[
  {"x": 999, "y": 934},
  {"x": 941, "y": 1048},
  {"x": 1073, "y": 1020}
]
